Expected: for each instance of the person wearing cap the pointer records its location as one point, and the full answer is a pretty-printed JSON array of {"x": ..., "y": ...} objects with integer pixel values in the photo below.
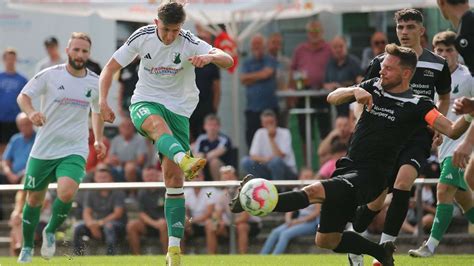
[{"x": 54, "y": 56}]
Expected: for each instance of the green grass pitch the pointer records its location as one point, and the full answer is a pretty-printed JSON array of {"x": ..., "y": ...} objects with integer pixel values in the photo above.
[{"x": 240, "y": 260}]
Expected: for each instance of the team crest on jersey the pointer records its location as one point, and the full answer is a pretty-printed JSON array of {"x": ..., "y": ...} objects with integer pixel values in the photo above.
[
  {"x": 176, "y": 58},
  {"x": 456, "y": 89},
  {"x": 428, "y": 73},
  {"x": 88, "y": 92}
]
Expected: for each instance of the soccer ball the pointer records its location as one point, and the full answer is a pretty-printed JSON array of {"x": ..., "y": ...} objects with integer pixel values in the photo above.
[{"x": 258, "y": 197}]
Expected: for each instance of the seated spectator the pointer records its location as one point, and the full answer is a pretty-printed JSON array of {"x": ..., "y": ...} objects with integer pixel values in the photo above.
[
  {"x": 246, "y": 226},
  {"x": 199, "y": 208},
  {"x": 127, "y": 152},
  {"x": 338, "y": 150},
  {"x": 18, "y": 149},
  {"x": 297, "y": 224},
  {"x": 271, "y": 153},
  {"x": 151, "y": 218},
  {"x": 343, "y": 70},
  {"x": 214, "y": 146},
  {"x": 377, "y": 46},
  {"x": 342, "y": 131},
  {"x": 103, "y": 216}
]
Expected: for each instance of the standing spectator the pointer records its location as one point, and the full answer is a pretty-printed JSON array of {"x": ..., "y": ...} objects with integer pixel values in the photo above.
[
  {"x": 377, "y": 47},
  {"x": 214, "y": 146},
  {"x": 297, "y": 224},
  {"x": 246, "y": 226},
  {"x": 274, "y": 46},
  {"x": 104, "y": 215},
  {"x": 199, "y": 207},
  {"x": 259, "y": 77},
  {"x": 343, "y": 70},
  {"x": 308, "y": 68},
  {"x": 54, "y": 56},
  {"x": 208, "y": 81},
  {"x": 18, "y": 150},
  {"x": 151, "y": 218},
  {"x": 128, "y": 78},
  {"x": 342, "y": 131},
  {"x": 11, "y": 84},
  {"x": 271, "y": 154},
  {"x": 127, "y": 151}
]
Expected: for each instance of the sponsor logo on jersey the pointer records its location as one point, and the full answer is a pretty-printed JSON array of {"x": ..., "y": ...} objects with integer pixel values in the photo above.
[
  {"x": 147, "y": 56},
  {"x": 428, "y": 73},
  {"x": 177, "y": 58},
  {"x": 163, "y": 71},
  {"x": 61, "y": 88}
]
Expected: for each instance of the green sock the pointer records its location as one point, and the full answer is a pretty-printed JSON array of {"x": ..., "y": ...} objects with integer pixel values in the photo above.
[
  {"x": 443, "y": 217},
  {"x": 168, "y": 146},
  {"x": 60, "y": 213},
  {"x": 31, "y": 217},
  {"x": 470, "y": 215},
  {"x": 175, "y": 213}
]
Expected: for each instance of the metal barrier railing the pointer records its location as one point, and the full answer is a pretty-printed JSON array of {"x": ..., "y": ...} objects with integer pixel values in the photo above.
[{"x": 222, "y": 184}]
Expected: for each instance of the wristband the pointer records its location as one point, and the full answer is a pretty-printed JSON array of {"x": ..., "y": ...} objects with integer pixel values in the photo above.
[{"x": 468, "y": 118}]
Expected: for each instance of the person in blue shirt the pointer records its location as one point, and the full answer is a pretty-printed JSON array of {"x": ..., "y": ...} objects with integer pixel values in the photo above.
[
  {"x": 259, "y": 77},
  {"x": 18, "y": 149},
  {"x": 11, "y": 84}
]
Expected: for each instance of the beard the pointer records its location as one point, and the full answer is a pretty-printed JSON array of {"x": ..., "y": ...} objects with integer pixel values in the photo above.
[
  {"x": 76, "y": 65},
  {"x": 388, "y": 86}
]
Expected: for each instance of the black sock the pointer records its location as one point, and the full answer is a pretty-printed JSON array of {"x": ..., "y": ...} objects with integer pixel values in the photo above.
[
  {"x": 397, "y": 211},
  {"x": 291, "y": 201},
  {"x": 354, "y": 243},
  {"x": 363, "y": 218}
]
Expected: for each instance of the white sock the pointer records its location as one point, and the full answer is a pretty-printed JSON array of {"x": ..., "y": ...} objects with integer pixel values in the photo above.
[
  {"x": 387, "y": 238},
  {"x": 174, "y": 241},
  {"x": 432, "y": 244},
  {"x": 178, "y": 157}
]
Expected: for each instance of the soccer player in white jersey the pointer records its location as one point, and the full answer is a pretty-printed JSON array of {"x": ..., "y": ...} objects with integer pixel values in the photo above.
[
  {"x": 164, "y": 98},
  {"x": 451, "y": 181},
  {"x": 61, "y": 147}
]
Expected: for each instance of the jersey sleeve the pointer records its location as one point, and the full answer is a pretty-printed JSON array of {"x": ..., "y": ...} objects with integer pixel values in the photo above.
[
  {"x": 37, "y": 85},
  {"x": 201, "y": 47},
  {"x": 369, "y": 85},
  {"x": 95, "y": 100},
  {"x": 443, "y": 84},
  {"x": 130, "y": 49},
  {"x": 373, "y": 69}
]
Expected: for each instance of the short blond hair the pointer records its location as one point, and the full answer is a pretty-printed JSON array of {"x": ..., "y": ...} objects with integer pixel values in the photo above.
[
  {"x": 9, "y": 50},
  {"x": 82, "y": 36}
]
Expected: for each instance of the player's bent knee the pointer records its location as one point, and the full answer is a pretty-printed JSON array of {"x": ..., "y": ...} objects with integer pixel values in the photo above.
[{"x": 315, "y": 192}]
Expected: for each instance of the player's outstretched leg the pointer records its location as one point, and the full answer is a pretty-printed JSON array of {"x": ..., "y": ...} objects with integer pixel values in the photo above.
[{"x": 234, "y": 204}]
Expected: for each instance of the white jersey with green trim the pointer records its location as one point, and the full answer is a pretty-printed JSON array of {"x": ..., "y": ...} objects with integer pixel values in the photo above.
[
  {"x": 462, "y": 84},
  {"x": 66, "y": 106},
  {"x": 165, "y": 75}
]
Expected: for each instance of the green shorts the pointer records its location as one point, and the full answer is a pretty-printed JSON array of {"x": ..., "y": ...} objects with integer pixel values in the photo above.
[
  {"x": 39, "y": 173},
  {"x": 178, "y": 124},
  {"x": 451, "y": 175}
]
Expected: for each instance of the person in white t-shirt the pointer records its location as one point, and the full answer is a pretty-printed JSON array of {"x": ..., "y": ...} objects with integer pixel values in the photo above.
[
  {"x": 61, "y": 147},
  {"x": 452, "y": 185},
  {"x": 165, "y": 96},
  {"x": 271, "y": 155}
]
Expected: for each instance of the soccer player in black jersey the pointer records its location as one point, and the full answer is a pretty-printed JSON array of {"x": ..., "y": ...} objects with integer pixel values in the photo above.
[
  {"x": 391, "y": 115},
  {"x": 432, "y": 76}
]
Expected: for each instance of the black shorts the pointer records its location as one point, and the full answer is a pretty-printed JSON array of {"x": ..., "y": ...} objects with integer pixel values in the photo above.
[
  {"x": 414, "y": 155},
  {"x": 7, "y": 130}
]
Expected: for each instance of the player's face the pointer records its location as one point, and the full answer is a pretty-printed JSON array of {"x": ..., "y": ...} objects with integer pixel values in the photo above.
[
  {"x": 167, "y": 32},
  {"x": 78, "y": 52},
  {"x": 391, "y": 72},
  {"x": 409, "y": 33},
  {"x": 447, "y": 52}
]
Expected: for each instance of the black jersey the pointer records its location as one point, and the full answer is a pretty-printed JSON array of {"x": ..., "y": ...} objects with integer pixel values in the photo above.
[
  {"x": 465, "y": 40},
  {"x": 381, "y": 133}
]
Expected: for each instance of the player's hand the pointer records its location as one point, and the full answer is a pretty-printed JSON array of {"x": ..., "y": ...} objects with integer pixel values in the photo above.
[
  {"x": 37, "y": 118},
  {"x": 363, "y": 97},
  {"x": 107, "y": 113},
  {"x": 462, "y": 154},
  {"x": 100, "y": 149},
  {"x": 463, "y": 105},
  {"x": 437, "y": 139},
  {"x": 200, "y": 60}
]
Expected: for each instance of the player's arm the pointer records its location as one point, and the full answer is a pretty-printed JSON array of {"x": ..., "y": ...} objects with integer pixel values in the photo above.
[
  {"x": 464, "y": 149},
  {"x": 98, "y": 130},
  {"x": 345, "y": 95},
  {"x": 443, "y": 125},
  {"x": 215, "y": 56},
  {"x": 105, "y": 81},
  {"x": 24, "y": 101}
]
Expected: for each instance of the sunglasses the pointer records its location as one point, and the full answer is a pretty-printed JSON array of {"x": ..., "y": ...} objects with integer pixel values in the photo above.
[{"x": 379, "y": 42}]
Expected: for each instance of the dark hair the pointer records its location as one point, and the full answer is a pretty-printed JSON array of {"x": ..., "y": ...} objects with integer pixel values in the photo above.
[
  {"x": 407, "y": 55},
  {"x": 51, "y": 41},
  {"x": 171, "y": 12},
  {"x": 338, "y": 146},
  {"x": 457, "y": 2},
  {"x": 268, "y": 112},
  {"x": 447, "y": 38},
  {"x": 211, "y": 117},
  {"x": 407, "y": 14}
]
